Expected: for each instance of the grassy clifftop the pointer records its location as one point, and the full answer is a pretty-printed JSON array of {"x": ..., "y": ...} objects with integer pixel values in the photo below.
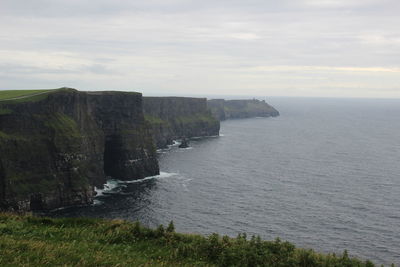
[
  {"x": 9, "y": 94},
  {"x": 34, "y": 241},
  {"x": 25, "y": 95}
]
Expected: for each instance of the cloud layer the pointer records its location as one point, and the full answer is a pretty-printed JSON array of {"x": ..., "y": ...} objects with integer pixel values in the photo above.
[{"x": 300, "y": 47}]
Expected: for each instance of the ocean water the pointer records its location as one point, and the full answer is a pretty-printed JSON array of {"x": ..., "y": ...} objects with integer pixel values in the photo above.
[{"x": 324, "y": 175}]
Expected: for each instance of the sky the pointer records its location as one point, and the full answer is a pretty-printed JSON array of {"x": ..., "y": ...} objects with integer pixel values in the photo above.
[{"x": 317, "y": 48}]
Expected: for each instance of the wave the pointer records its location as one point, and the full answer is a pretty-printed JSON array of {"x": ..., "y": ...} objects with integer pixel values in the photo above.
[
  {"x": 109, "y": 187},
  {"x": 204, "y": 137},
  {"x": 97, "y": 202},
  {"x": 114, "y": 186},
  {"x": 175, "y": 143},
  {"x": 162, "y": 175}
]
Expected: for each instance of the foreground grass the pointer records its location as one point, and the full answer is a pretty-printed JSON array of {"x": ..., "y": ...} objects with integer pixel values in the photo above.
[{"x": 36, "y": 241}]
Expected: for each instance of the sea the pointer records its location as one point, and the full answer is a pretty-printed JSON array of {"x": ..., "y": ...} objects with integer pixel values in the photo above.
[{"x": 324, "y": 175}]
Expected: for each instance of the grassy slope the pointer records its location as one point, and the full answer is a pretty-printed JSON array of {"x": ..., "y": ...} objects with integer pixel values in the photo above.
[
  {"x": 33, "y": 241},
  {"x": 9, "y": 94}
]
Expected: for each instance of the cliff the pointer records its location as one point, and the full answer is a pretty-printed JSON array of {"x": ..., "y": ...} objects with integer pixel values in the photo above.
[
  {"x": 178, "y": 117},
  {"x": 236, "y": 109},
  {"x": 56, "y": 146}
]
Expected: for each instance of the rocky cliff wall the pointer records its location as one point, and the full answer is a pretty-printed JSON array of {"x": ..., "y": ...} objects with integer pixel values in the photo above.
[
  {"x": 56, "y": 147},
  {"x": 236, "y": 109},
  {"x": 177, "y": 117}
]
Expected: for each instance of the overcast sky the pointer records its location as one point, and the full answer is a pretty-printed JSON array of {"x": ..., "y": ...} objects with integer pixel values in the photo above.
[{"x": 334, "y": 48}]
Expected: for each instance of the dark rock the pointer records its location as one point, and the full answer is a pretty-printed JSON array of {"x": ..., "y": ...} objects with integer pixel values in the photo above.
[
  {"x": 55, "y": 149},
  {"x": 171, "y": 118},
  {"x": 184, "y": 143}
]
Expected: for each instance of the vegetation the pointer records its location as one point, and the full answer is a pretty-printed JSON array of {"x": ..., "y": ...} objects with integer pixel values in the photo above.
[
  {"x": 154, "y": 120},
  {"x": 11, "y": 94},
  {"x": 5, "y": 111},
  {"x": 36, "y": 241},
  {"x": 200, "y": 117},
  {"x": 21, "y": 96},
  {"x": 63, "y": 125},
  {"x": 4, "y": 136}
]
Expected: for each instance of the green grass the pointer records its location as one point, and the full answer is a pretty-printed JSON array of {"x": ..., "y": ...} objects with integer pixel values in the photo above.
[
  {"x": 63, "y": 124},
  {"x": 5, "y": 111},
  {"x": 4, "y": 135},
  {"x": 204, "y": 118},
  {"x": 10, "y": 94},
  {"x": 22, "y": 96},
  {"x": 195, "y": 118},
  {"x": 154, "y": 120},
  {"x": 35, "y": 241}
]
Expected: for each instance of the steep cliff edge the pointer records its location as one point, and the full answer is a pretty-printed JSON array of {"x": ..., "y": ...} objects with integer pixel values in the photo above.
[
  {"x": 177, "y": 117},
  {"x": 236, "y": 109},
  {"x": 56, "y": 146}
]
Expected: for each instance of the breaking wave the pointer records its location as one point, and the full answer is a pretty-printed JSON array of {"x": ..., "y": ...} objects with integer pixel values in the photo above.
[{"x": 114, "y": 186}]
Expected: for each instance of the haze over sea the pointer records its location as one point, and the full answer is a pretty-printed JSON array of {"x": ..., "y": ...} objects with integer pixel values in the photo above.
[{"x": 324, "y": 175}]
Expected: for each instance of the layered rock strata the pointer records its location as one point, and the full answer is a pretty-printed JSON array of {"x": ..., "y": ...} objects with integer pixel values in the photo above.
[
  {"x": 54, "y": 148},
  {"x": 178, "y": 117}
]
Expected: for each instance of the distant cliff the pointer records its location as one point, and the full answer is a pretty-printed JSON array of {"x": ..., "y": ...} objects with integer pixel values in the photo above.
[
  {"x": 176, "y": 117},
  {"x": 235, "y": 109},
  {"x": 55, "y": 147}
]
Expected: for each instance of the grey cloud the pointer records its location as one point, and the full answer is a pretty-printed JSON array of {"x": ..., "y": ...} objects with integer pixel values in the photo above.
[
  {"x": 165, "y": 45},
  {"x": 16, "y": 70}
]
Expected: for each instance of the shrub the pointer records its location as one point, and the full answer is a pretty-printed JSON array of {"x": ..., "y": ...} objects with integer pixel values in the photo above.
[
  {"x": 171, "y": 227},
  {"x": 160, "y": 231}
]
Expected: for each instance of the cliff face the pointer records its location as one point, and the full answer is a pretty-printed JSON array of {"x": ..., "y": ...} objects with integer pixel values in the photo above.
[
  {"x": 55, "y": 148},
  {"x": 177, "y": 117},
  {"x": 236, "y": 109}
]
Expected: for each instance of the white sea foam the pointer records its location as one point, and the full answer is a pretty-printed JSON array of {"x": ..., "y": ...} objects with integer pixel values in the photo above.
[
  {"x": 99, "y": 192},
  {"x": 175, "y": 143},
  {"x": 114, "y": 186},
  {"x": 185, "y": 148},
  {"x": 111, "y": 186},
  {"x": 164, "y": 150},
  {"x": 162, "y": 175},
  {"x": 97, "y": 202},
  {"x": 203, "y": 137}
]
